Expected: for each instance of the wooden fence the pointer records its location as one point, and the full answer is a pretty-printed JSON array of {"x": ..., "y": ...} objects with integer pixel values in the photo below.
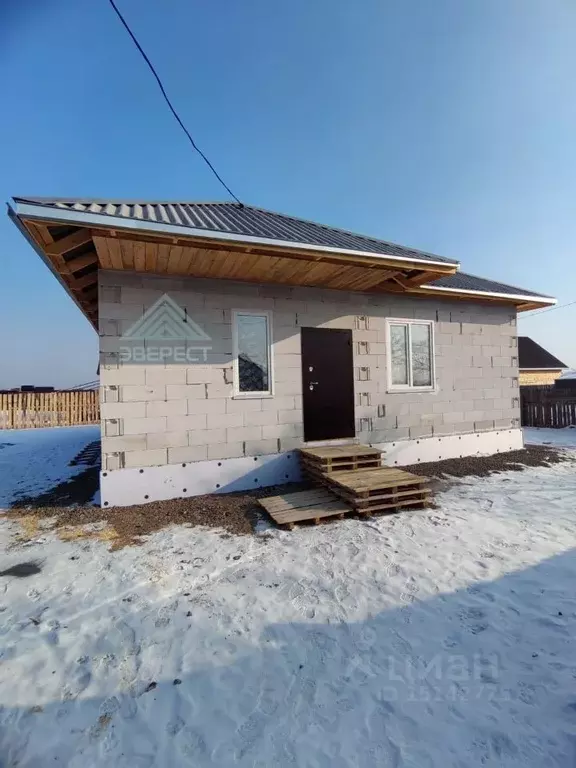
[
  {"x": 23, "y": 410},
  {"x": 547, "y": 407}
]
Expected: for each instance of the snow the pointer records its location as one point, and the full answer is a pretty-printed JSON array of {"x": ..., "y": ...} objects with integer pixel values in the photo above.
[
  {"x": 34, "y": 460},
  {"x": 436, "y": 639},
  {"x": 560, "y": 438}
]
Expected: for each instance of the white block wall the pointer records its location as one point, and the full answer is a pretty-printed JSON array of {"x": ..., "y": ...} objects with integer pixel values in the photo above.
[{"x": 156, "y": 415}]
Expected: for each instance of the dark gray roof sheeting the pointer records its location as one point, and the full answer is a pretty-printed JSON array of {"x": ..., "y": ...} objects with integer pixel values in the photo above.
[
  {"x": 249, "y": 221},
  {"x": 465, "y": 282},
  {"x": 532, "y": 355},
  {"x": 231, "y": 218}
]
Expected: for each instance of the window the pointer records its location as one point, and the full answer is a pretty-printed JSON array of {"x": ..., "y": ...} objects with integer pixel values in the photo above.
[
  {"x": 411, "y": 346},
  {"x": 251, "y": 333}
]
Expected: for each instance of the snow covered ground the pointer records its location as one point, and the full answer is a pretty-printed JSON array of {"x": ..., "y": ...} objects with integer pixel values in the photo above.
[
  {"x": 436, "y": 639},
  {"x": 34, "y": 460},
  {"x": 561, "y": 438}
]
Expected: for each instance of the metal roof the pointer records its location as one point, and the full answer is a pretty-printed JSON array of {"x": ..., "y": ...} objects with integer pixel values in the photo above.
[
  {"x": 233, "y": 219},
  {"x": 532, "y": 355},
  {"x": 230, "y": 219},
  {"x": 464, "y": 282}
]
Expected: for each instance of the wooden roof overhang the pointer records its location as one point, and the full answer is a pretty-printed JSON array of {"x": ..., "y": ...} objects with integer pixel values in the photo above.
[{"x": 76, "y": 249}]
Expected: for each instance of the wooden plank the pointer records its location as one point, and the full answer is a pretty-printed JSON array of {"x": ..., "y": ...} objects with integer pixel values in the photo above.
[
  {"x": 40, "y": 233},
  {"x": 180, "y": 259},
  {"x": 151, "y": 257},
  {"x": 375, "y": 475},
  {"x": 80, "y": 262},
  {"x": 339, "y": 451},
  {"x": 127, "y": 250},
  {"x": 319, "y": 273},
  {"x": 358, "y": 487},
  {"x": 115, "y": 252},
  {"x": 101, "y": 245},
  {"x": 175, "y": 255},
  {"x": 420, "y": 504},
  {"x": 139, "y": 256},
  {"x": 163, "y": 255},
  {"x": 369, "y": 501},
  {"x": 310, "y": 513},
  {"x": 313, "y": 504},
  {"x": 86, "y": 280},
  {"x": 316, "y": 495},
  {"x": 75, "y": 240},
  {"x": 343, "y": 464}
]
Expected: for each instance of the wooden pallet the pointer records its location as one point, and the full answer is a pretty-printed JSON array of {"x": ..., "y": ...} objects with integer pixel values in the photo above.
[
  {"x": 380, "y": 489},
  {"x": 340, "y": 458},
  {"x": 290, "y": 508},
  {"x": 415, "y": 498}
]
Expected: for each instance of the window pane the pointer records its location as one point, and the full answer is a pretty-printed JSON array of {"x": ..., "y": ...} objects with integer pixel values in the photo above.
[
  {"x": 253, "y": 358},
  {"x": 399, "y": 353},
  {"x": 421, "y": 356}
]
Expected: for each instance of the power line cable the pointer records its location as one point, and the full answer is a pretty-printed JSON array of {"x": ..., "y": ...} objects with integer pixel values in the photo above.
[
  {"x": 179, "y": 121},
  {"x": 552, "y": 309}
]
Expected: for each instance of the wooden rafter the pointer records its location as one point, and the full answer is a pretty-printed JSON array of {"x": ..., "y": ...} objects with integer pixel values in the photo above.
[
  {"x": 68, "y": 243},
  {"x": 419, "y": 279},
  {"x": 80, "y": 262},
  {"x": 84, "y": 289}
]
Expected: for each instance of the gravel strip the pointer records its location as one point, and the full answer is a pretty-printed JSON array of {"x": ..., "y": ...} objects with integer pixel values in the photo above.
[
  {"x": 234, "y": 513},
  {"x": 482, "y": 466}
]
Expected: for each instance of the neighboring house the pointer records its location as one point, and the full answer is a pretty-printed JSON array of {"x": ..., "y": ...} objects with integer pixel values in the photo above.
[
  {"x": 537, "y": 365},
  {"x": 231, "y": 336}
]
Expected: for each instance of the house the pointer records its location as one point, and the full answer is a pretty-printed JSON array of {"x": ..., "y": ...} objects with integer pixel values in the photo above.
[
  {"x": 230, "y": 336},
  {"x": 537, "y": 365}
]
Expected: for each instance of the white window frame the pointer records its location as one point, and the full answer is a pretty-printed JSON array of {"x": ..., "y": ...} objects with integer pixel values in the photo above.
[
  {"x": 237, "y": 393},
  {"x": 390, "y": 321}
]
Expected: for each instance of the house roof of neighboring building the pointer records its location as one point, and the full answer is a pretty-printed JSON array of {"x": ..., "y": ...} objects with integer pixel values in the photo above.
[
  {"x": 245, "y": 220},
  {"x": 531, "y": 355}
]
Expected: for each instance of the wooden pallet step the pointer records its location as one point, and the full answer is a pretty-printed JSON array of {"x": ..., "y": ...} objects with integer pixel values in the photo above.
[
  {"x": 339, "y": 451},
  {"x": 417, "y": 504},
  {"x": 315, "y": 504},
  {"x": 369, "y": 501},
  {"x": 376, "y": 480},
  {"x": 341, "y": 459},
  {"x": 289, "y": 500},
  {"x": 343, "y": 466},
  {"x": 311, "y": 513},
  {"x": 359, "y": 504}
]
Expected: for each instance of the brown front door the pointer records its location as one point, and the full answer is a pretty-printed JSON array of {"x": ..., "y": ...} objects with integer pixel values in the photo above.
[{"x": 328, "y": 384}]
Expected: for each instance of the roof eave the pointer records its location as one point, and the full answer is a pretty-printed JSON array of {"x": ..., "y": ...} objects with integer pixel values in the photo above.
[
  {"x": 520, "y": 300},
  {"x": 81, "y": 218},
  {"x": 13, "y": 215}
]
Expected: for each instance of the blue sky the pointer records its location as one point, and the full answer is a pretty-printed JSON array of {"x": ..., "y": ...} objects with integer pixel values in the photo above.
[{"x": 447, "y": 125}]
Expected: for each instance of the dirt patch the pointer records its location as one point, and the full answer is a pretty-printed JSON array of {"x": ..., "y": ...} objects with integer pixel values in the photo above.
[
  {"x": 235, "y": 513},
  {"x": 102, "y": 532},
  {"x": 482, "y": 466}
]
